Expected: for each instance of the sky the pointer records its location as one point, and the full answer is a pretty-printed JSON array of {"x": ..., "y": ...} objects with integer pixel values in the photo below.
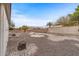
[{"x": 39, "y": 14}]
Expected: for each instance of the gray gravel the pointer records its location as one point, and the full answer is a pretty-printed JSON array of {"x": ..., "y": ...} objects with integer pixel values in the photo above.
[{"x": 47, "y": 45}]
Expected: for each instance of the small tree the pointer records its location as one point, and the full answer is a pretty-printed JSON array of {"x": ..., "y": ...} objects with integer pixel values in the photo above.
[
  {"x": 24, "y": 28},
  {"x": 49, "y": 24},
  {"x": 11, "y": 25}
]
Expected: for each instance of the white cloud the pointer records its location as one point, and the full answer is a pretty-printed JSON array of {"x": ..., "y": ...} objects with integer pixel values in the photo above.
[{"x": 22, "y": 19}]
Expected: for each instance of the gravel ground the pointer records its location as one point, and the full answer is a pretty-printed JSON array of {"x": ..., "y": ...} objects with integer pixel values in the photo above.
[{"x": 42, "y": 44}]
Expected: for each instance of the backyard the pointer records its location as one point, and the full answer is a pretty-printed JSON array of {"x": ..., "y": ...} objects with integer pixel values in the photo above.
[
  {"x": 43, "y": 44},
  {"x": 44, "y": 30}
]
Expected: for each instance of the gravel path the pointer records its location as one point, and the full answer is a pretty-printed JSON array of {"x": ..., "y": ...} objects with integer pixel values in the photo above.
[{"x": 42, "y": 44}]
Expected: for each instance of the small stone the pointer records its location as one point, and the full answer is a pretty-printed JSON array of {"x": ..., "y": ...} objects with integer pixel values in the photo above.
[{"x": 21, "y": 45}]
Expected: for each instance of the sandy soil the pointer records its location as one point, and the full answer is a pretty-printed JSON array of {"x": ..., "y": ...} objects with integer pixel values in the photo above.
[{"x": 43, "y": 44}]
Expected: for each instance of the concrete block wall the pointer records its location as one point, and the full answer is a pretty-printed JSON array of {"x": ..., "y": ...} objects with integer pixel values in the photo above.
[{"x": 65, "y": 30}]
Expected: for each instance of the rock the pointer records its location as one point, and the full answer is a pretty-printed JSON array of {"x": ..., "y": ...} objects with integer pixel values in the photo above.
[
  {"x": 21, "y": 45},
  {"x": 13, "y": 34}
]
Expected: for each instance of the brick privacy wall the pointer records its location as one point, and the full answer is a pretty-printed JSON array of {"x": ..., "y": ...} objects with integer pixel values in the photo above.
[{"x": 64, "y": 30}]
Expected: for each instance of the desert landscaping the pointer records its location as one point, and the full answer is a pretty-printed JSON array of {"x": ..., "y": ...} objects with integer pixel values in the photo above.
[
  {"x": 39, "y": 29},
  {"x": 43, "y": 44}
]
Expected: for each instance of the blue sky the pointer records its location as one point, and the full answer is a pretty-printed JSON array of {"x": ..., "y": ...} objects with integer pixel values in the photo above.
[{"x": 38, "y": 14}]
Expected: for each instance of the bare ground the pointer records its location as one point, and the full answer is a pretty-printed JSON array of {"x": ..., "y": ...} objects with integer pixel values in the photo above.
[{"x": 46, "y": 45}]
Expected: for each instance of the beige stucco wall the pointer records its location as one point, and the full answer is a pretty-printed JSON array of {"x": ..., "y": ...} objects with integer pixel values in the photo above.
[{"x": 4, "y": 18}]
